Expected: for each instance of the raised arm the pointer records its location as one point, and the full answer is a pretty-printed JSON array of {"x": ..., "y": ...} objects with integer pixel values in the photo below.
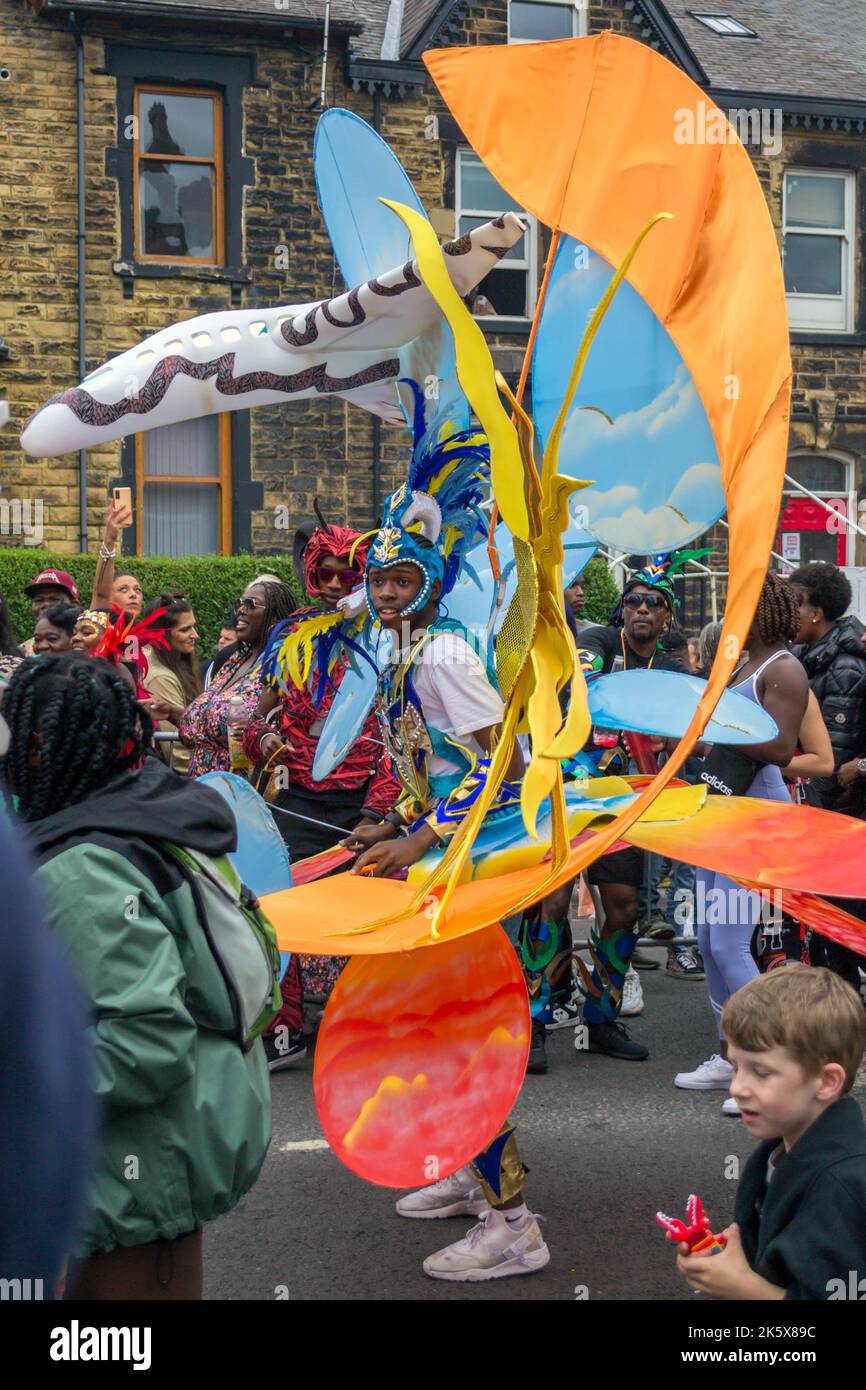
[{"x": 117, "y": 518}]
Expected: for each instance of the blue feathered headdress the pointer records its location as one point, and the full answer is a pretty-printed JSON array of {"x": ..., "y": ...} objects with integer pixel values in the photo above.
[{"x": 435, "y": 515}]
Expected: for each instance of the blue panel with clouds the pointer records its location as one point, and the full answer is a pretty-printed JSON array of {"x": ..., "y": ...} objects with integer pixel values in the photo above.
[{"x": 657, "y": 482}]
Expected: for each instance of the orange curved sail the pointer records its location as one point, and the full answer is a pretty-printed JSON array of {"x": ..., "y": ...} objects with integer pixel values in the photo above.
[{"x": 614, "y": 120}]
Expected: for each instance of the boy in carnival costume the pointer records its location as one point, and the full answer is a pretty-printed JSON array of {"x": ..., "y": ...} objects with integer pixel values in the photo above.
[{"x": 439, "y": 711}]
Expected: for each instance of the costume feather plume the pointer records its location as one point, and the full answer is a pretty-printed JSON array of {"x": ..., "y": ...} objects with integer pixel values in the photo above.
[{"x": 291, "y": 660}]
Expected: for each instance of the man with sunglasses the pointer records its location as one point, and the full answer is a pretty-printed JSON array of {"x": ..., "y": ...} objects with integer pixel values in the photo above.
[{"x": 633, "y": 639}]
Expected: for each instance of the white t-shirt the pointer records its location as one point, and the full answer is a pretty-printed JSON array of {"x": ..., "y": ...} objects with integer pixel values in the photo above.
[{"x": 455, "y": 693}]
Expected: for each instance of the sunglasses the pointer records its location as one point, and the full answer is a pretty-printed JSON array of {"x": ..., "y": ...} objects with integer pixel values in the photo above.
[
  {"x": 250, "y": 603},
  {"x": 644, "y": 601},
  {"x": 347, "y": 578}
]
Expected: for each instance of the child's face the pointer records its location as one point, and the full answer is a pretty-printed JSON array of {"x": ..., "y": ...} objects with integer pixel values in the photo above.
[
  {"x": 392, "y": 590},
  {"x": 775, "y": 1094}
]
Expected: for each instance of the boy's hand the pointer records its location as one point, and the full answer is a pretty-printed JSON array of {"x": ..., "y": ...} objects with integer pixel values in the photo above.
[
  {"x": 390, "y": 856},
  {"x": 366, "y": 834},
  {"x": 726, "y": 1275}
]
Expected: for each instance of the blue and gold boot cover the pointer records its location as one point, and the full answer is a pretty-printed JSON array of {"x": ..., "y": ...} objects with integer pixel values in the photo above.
[
  {"x": 603, "y": 988},
  {"x": 499, "y": 1168}
]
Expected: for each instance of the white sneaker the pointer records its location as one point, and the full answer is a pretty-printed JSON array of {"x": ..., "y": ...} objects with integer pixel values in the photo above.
[
  {"x": 632, "y": 995},
  {"x": 491, "y": 1250},
  {"x": 730, "y": 1107},
  {"x": 713, "y": 1075},
  {"x": 459, "y": 1195}
]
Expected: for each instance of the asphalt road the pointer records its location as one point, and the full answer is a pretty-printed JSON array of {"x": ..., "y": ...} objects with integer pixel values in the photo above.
[{"x": 608, "y": 1143}]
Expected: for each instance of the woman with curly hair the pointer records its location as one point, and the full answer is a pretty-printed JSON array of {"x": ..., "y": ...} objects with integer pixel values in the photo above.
[{"x": 234, "y": 691}]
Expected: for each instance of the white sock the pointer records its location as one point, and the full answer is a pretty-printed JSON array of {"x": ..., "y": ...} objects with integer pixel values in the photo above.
[{"x": 516, "y": 1216}]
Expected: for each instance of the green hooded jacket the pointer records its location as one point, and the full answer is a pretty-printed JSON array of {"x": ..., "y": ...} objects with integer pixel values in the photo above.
[{"x": 186, "y": 1115}]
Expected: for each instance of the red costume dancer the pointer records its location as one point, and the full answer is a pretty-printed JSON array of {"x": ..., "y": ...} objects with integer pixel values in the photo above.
[{"x": 284, "y": 731}]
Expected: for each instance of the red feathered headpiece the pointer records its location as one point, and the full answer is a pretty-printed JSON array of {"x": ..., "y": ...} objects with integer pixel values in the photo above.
[
  {"x": 340, "y": 541},
  {"x": 125, "y": 639}
]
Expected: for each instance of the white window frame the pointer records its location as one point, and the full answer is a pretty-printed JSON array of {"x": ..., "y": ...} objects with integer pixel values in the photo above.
[
  {"x": 528, "y": 263},
  {"x": 824, "y": 313},
  {"x": 848, "y": 491},
  {"x": 705, "y": 16},
  {"x": 580, "y": 17}
]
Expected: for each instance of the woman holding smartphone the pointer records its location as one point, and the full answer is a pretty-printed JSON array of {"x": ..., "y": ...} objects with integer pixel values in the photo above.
[{"x": 110, "y": 588}]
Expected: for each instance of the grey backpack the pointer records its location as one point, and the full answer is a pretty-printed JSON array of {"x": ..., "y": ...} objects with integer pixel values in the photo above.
[{"x": 242, "y": 940}]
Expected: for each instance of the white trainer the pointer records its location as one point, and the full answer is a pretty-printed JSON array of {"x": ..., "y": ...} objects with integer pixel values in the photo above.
[
  {"x": 459, "y": 1195},
  {"x": 730, "y": 1107},
  {"x": 491, "y": 1250},
  {"x": 713, "y": 1075},
  {"x": 632, "y": 995}
]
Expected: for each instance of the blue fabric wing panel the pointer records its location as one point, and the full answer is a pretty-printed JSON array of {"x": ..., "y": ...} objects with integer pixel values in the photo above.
[
  {"x": 663, "y": 702},
  {"x": 655, "y": 471}
]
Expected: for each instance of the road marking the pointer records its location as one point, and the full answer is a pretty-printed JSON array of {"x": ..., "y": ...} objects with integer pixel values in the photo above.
[{"x": 304, "y": 1146}]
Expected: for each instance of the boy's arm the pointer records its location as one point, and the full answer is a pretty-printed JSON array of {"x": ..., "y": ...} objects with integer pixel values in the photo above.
[
  {"x": 814, "y": 1254},
  {"x": 826, "y": 1241},
  {"x": 390, "y": 855}
]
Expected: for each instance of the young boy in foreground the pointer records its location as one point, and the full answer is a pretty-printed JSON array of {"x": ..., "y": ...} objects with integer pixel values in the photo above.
[{"x": 795, "y": 1038}]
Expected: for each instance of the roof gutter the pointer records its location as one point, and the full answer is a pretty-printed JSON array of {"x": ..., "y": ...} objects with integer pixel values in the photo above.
[
  {"x": 193, "y": 14},
  {"x": 376, "y": 73},
  {"x": 831, "y": 108}
]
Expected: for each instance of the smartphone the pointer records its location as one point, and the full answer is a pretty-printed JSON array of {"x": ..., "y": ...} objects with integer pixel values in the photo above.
[{"x": 123, "y": 498}]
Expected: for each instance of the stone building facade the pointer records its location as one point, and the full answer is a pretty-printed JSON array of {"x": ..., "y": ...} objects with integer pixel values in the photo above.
[{"x": 265, "y": 63}]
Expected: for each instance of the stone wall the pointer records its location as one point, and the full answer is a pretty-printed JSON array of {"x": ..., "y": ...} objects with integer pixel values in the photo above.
[{"x": 322, "y": 448}]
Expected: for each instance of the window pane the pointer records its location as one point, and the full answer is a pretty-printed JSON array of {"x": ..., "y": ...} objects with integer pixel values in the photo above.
[
  {"x": 502, "y": 292},
  {"x": 813, "y": 264},
  {"x": 536, "y": 21},
  {"x": 180, "y": 518},
  {"x": 814, "y": 202},
  {"x": 824, "y": 476},
  {"x": 176, "y": 209},
  {"x": 479, "y": 189},
  {"x": 518, "y": 252},
  {"x": 192, "y": 448},
  {"x": 176, "y": 124},
  {"x": 818, "y": 546}
]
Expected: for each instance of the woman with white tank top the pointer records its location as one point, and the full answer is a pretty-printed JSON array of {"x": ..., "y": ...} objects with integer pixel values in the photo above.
[{"x": 725, "y": 915}]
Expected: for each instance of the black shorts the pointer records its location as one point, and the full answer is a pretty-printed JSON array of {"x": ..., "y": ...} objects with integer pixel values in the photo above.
[{"x": 623, "y": 866}]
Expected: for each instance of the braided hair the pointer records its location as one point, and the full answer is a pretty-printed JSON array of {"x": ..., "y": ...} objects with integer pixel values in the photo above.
[
  {"x": 778, "y": 615},
  {"x": 74, "y": 725},
  {"x": 280, "y": 603}
]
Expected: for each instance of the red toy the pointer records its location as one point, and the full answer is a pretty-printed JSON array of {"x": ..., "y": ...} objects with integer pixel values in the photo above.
[{"x": 697, "y": 1234}]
